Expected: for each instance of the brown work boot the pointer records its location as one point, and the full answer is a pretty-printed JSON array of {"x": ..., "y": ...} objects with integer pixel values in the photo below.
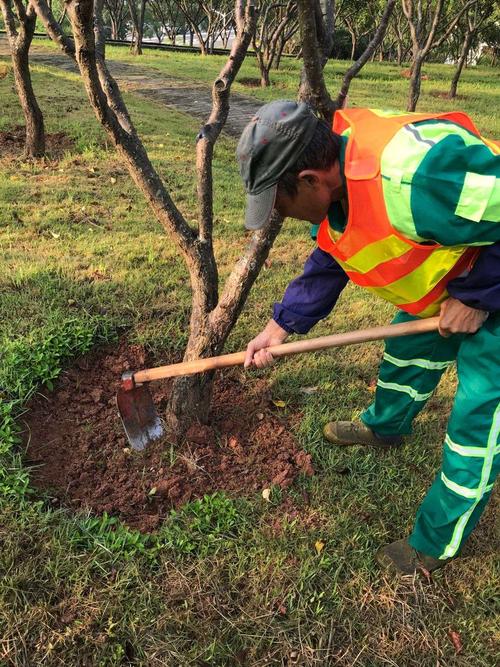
[
  {"x": 402, "y": 558},
  {"x": 356, "y": 433}
]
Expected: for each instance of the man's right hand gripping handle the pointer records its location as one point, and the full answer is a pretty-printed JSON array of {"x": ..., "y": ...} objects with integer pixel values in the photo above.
[{"x": 257, "y": 354}]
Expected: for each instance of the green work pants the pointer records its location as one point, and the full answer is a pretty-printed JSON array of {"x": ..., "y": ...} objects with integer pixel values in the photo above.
[{"x": 409, "y": 373}]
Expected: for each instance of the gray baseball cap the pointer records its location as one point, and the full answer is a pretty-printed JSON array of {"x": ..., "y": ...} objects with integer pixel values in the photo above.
[{"x": 268, "y": 147}]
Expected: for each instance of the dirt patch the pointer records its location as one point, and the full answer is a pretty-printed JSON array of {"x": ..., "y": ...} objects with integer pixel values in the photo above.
[
  {"x": 249, "y": 81},
  {"x": 291, "y": 512},
  {"x": 77, "y": 447},
  {"x": 12, "y": 143},
  {"x": 406, "y": 73},
  {"x": 446, "y": 95}
]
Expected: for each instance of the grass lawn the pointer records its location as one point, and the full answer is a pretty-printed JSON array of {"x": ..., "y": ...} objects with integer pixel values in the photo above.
[{"x": 85, "y": 263}]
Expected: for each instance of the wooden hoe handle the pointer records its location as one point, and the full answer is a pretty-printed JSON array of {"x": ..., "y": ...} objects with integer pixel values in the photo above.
[{"x": 286, "y": 349}]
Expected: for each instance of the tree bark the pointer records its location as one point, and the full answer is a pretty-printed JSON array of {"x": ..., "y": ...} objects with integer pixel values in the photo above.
[
  {"x": 138, "y": 22},
  {"x": 315, "y": 55},
  {"x": 415, "y": 81},
  {"x": 20, "y": 42}
]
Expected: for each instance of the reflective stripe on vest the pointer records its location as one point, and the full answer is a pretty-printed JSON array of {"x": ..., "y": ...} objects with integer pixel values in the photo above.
[{"x": 373, "y": 253}]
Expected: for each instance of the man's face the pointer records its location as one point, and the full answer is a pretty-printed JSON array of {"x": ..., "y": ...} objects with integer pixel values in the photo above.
[{"x": 316, "y": 190}]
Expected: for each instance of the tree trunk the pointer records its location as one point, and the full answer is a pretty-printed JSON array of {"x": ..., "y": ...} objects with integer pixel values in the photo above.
[
  {"x": 460, "y": 65},
  {"x": 315, "y": 56},
  {"x": 353, "y": 45},
  {"x": 138, "y": 31},
  {"x": 415, "y": 81},
  {"x": 265, "y": 81},
  {"x": 35, "y": 131},
  {"x": 400, "y": 53},
  {"x": 20, "y": 43}
]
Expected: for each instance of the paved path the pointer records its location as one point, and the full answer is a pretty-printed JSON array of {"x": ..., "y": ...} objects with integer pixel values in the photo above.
[{"x": 173, "y": 92}]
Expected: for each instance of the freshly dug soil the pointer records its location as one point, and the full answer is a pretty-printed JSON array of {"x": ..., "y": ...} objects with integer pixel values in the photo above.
[
  {"x": 79, "y": 453},
  {"x": 12, "y": 143}
]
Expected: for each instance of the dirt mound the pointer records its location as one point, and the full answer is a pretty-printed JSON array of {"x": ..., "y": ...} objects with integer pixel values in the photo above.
[
  {"x": 77, "y": 447},
  {"x": 406, "y": 73},
  {"x": 12, "y": 143}
]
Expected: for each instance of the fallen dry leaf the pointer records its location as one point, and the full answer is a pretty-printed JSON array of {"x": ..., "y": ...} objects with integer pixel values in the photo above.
[
  {"x": 113, "y": 180},
  {"x": 266, "y": 494},
  {"x": 319, "y": 546},
  {"x": 279, "y": 404},
  {"x": 456, "y": 641}
]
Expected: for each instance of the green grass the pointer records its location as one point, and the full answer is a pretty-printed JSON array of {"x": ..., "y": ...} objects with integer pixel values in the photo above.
[{"x": 84, "y": 261}]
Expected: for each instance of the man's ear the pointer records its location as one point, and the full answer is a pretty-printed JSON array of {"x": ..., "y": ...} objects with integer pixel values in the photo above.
[{"x": 309, "y": 176}]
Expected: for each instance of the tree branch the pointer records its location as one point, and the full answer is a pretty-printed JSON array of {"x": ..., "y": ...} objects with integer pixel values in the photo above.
[
  {"x": 10, "y": 21},
  {"x": 53, "y": 28},
  {"x": 243, "y": 275},
  {"x": 246, "y": 22},
  {"x": 452, "y": 25}
]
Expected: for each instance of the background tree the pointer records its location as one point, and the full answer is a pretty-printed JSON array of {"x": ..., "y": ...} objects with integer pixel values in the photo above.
[
  {"x": 137, "y": 9},
  {"x": 431, "y": 23},
  {"x": 317, "y": 43},
  {"x": 20, "y": 21},
  {"x": 213, "y": 315},
  {"x": 473, "y": 19},
  {"x": 206, "y": 18},
  {"x": 374, "y": 43},
  {"x": 116, "y": 14},
  {"x": 277, "y": 24},
  {"x": 358, "y": 20},
  {"x": 490, "y": 34},
  {"x": 399, "y": 33}
]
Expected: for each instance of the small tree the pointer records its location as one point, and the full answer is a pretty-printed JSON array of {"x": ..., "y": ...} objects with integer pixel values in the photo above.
[
  {"x": 137, "y": 9},
  {"x": 117, "y": 12},
  {"x": 277, "y": 25},
  {"x": 431, "y": 23},
  {"x": 207, "y": 19},
  {"x": 400, "y": 33},
  {"x": 473, "y": 20},
  {"x": 20, "y": 26},
  {"x": 317, "y": 42},
  {"x": 367, "y": 53},
  {"x": 358, "y": 21},
  {"x": 213, "y": 315}
]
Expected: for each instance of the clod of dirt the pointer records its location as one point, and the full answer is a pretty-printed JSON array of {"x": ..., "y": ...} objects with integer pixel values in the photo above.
[{"x": 75, "y": 437}]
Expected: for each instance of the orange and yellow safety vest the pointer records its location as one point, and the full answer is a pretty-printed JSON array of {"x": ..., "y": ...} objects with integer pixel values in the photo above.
[{"x": 373, "y": 253}]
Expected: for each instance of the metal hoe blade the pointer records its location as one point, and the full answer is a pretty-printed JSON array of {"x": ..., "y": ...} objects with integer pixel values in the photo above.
[{"x": 139, "y": 417}]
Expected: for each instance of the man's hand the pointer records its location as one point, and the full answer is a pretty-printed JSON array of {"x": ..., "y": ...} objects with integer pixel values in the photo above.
[
  {"x": 456, "y": 317},
  {"x": 257, "y": 353}
]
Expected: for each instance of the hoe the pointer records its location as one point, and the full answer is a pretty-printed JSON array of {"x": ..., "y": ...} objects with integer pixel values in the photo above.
[{"x": 135, "y": 405}]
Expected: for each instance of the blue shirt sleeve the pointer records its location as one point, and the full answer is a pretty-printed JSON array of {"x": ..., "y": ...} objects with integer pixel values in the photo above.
[
  {"x": 312, "y": 296},
  {"x": 481, "y": 287}
]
